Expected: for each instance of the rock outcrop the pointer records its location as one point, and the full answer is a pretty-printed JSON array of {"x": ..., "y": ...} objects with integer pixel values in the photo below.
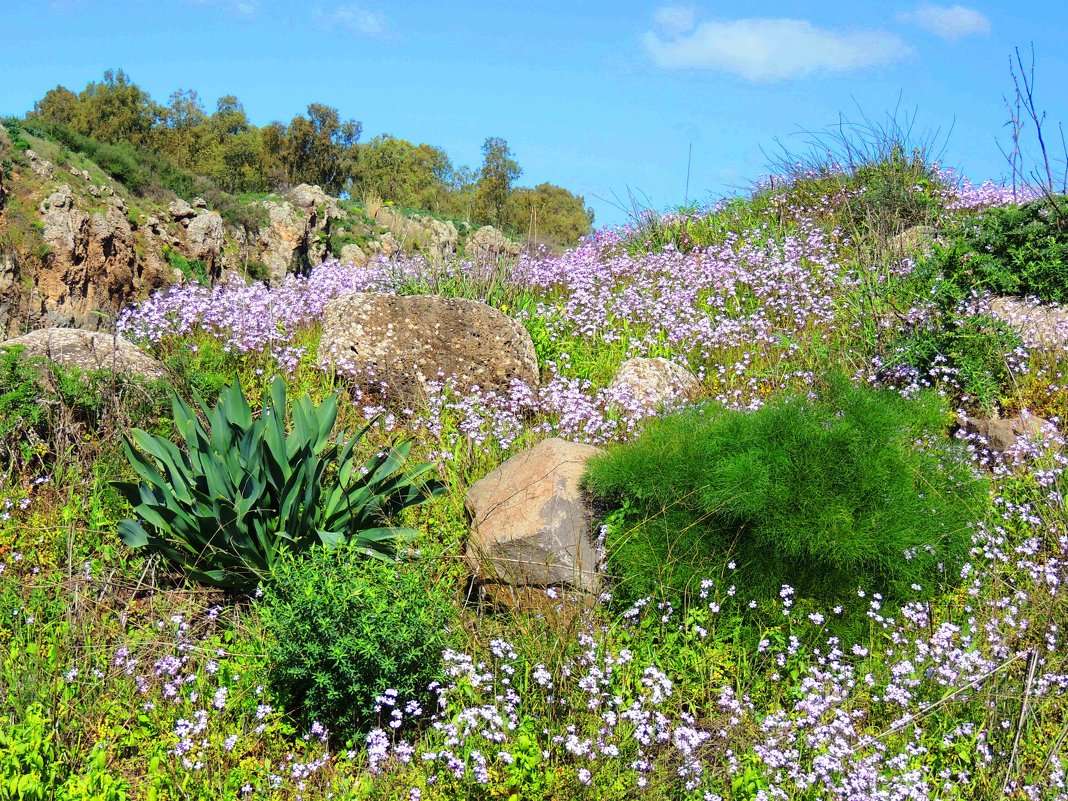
[
  {"x": 435, "y": 238},
  {"x": 489, "y": 243},
  {"x": 43, "y": 168},
  {"x": 405, "y": 342},
  {"x": 297, "y": 229},
  {"x": 530, "y": 521},
  {"x": 91, "y": 268},
  {"x": 88, "y": 350}
]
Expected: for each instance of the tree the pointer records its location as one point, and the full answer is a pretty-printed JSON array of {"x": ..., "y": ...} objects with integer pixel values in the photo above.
[
  {"x": 116, "y": 110},
  {"x": 499, "y": 172},
  {"x": 58, "y": 105},
  {"x": 183, "y": 132},
  {"x": 410, "y": 175},
  {"x": 548, "y": 214},
  {"x": 320, "y": 148}
]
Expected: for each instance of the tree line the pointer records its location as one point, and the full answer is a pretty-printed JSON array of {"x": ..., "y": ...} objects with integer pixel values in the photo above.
[{"x": 318, "y": 147}]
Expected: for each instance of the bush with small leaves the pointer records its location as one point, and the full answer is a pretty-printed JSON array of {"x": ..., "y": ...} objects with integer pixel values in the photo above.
[{"x": 344, "y": 631}]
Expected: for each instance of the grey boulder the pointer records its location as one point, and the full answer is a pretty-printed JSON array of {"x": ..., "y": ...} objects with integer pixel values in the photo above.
[
  {"x": 530, "y": 521},
  {"x": 88, "y": 350}
]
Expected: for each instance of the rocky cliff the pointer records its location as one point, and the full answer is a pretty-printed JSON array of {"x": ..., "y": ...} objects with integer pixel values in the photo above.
[{"x": 76, "y": 246}]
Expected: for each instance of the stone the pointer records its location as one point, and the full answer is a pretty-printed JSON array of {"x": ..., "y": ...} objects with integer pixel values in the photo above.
[
  {"x": 353, "y": 254},
  {"x": 88, "y": 350},
  {"x": 407, "y": 341},
  {"x": 1002, "y": 435},
  {"x": 386, "y": 245},
  {"x": 530, "y": 520},
  {"x": 919, "y": 240},
  {"x": 651, "y": 383},
  {"x": 1040, "y": 326},
  {"x": 306, "y": 196},
  {"x": 180, "y": 210},
  {"x": 488, "y": 242},
  {"x": 42, "y": 168},
  {"x": 199, "y": 203}
]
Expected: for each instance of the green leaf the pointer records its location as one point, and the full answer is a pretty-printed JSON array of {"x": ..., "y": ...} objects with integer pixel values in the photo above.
[{"x": 133, "y": 534}]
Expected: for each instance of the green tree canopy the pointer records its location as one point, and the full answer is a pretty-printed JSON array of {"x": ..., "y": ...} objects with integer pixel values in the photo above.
[
  {"x": 548, "y": 214},
  {"x": 499, "y": 171}
]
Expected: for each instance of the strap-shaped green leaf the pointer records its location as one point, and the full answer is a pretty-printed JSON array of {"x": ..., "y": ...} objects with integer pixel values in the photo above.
[{"x": 133, "y": 534}]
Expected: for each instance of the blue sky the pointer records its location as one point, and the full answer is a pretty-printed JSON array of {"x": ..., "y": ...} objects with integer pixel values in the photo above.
[{"x": 603, "y": 98}]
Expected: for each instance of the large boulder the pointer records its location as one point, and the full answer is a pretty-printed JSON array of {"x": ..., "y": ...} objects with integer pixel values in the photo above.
[
  {"x": 530, "y": 521},
  {"x": 649, "y": 384},
  {"x": 88, "y": 350},
  {"x": 405, "y": 342}
]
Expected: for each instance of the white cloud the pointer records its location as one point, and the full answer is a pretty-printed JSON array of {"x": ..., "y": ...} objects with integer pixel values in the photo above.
[
  {"x": 675, "y": 20},
  {"x": 355, "y": 19},
  {"x": 762, "y": 49},
  {"x": 949, "y": 22}
]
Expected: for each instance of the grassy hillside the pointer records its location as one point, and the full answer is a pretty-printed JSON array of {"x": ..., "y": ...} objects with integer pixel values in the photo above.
[{"x": 122, "y": 677}]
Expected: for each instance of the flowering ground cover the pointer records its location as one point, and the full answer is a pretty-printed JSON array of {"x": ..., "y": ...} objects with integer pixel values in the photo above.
[{"x": 118, "y": 679}]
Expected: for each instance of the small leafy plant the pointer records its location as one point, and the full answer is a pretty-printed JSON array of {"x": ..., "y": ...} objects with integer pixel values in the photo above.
[
  {"x": 343, "y": 630},
  {"x": 244, "y": 489},
  {"x": 1015, "y": 250}
]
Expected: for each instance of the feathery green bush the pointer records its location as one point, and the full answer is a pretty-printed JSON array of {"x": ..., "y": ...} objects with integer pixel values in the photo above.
[{"x": 855, "y": 488}]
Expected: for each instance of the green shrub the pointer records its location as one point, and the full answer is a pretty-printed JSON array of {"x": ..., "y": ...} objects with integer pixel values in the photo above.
[
  {"x": 244, "y": 490},
  {"x": 46, "y": 409},
  {"x": 23, "y": 418},
  {"x": 1014, "y": 250},
  {"x": 32, "y": 767},
  {"x": 344, "y": 630},
  {"x": 823, "y": 494},
  {"x": 966, "y": 354},
  {"x": 892, "y": 194},
  {"x": 193, "y": 269}
]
